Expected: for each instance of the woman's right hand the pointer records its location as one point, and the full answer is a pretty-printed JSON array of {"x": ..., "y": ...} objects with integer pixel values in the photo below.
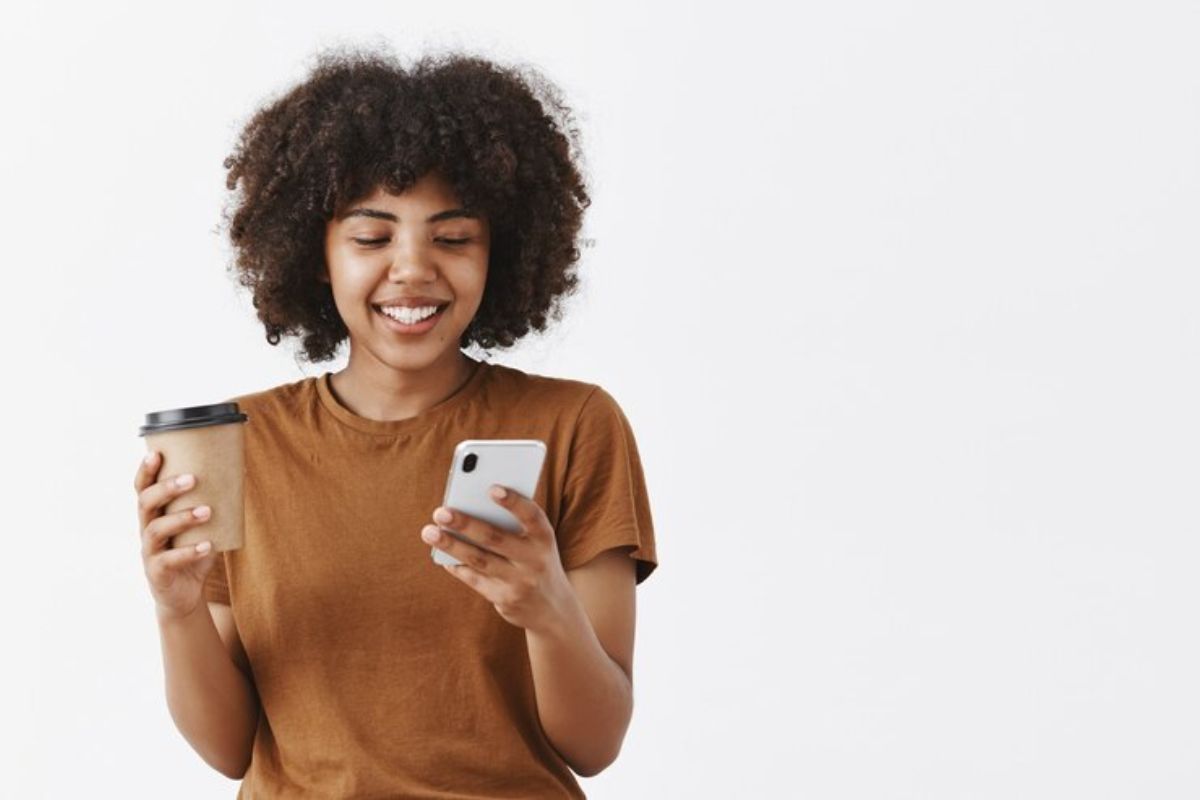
[{"x": 176, "y": 574}]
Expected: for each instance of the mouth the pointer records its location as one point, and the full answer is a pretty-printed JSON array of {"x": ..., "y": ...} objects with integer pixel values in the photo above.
[{"x": 420, "y": 326}]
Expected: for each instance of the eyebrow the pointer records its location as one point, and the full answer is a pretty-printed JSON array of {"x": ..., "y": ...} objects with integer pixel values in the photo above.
[{"x": 374, "y": 213}]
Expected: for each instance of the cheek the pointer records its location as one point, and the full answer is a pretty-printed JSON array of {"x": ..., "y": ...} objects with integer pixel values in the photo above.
[
  {"x": 470, "y": 283},
  {"x": 354, "y": 276}
]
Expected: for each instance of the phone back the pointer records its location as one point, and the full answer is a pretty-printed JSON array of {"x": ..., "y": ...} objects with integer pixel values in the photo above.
[{"x": 480, "y": 463}]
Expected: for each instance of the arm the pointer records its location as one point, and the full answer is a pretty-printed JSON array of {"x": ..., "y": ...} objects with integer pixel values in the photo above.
[
  {"x": 583, "y": 666},
  {"x": 578, "y": 623},
  {"x": 212, "y": 701}
]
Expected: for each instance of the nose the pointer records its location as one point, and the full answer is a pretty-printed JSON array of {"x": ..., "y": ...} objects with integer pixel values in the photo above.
[{"x": 413, "y": 262}]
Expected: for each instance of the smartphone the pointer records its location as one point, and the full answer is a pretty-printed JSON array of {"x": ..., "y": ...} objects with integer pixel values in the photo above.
[{"x": 477, "y": 465}]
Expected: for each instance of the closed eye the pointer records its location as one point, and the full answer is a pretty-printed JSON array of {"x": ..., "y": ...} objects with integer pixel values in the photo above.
[{"x": 375, "y": 242}]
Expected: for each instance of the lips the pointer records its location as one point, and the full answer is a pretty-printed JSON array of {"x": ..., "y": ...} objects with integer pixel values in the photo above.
[
  {"x": 440, "y": 306},
  {"x": 413, "y": 302},
  {"x": 415, "y": 327}
]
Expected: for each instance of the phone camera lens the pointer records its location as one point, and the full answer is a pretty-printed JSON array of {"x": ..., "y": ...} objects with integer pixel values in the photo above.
[{"x": 469, "y": 462}]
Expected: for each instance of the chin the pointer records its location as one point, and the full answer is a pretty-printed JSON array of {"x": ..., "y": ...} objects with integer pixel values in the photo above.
[{"x": 418, "y": 355}]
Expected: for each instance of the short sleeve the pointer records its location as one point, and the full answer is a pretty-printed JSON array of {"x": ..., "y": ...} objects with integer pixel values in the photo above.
[
  {"x": 605, "y": 504},
  {"x": 216, "y": 584}
]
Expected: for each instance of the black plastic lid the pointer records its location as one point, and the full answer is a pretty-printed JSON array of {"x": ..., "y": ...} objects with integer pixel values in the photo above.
[{"x": 192, "y": 417}]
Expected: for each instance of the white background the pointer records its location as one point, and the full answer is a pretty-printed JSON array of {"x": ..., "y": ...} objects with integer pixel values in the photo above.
[{"x": 900, "y": 299}]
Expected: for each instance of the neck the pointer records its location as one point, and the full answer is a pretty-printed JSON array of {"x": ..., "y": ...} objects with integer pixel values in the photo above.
[{"x": 382, "y": 392}]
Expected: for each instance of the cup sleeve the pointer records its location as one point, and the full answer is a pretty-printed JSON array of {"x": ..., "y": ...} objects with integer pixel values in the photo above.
[
  {"x": 216, "y": 584},
  {"x": 604, "y": 503}
]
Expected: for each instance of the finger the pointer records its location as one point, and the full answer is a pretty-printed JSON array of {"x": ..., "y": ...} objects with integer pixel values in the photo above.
[
  {"x": 485, "y": 585},
  {"x": 147, "y": 469},
  {"x": 146, "y": 473},
  {"x": 509, "y": 544},
  {"x": 528, "y": 513},
  {"x": 152, "y": 498},
  {"x": 163, "y": 528},
  {"x": 475, "y": 557},
  {"x": 162, "y": 567}
]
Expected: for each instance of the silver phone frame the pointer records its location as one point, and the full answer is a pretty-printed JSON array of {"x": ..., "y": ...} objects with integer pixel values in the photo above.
[{"x": 519, "y": 466}]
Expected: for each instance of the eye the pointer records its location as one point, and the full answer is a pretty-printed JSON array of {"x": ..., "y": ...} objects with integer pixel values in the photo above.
[{"x": 377, "y": 242}]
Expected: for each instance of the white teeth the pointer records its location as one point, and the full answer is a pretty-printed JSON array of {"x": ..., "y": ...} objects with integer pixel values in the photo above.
[{"x": 409, "y": 315}]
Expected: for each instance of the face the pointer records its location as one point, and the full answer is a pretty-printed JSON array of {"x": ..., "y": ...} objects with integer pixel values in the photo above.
[{"x": 420, "y": 243}]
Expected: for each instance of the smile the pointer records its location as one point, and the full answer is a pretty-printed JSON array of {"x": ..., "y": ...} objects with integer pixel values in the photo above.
[{"x": 418, "y": 324}]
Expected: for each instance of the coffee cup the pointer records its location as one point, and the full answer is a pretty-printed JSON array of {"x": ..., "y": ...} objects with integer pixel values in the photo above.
[{"x": 208, "y": 442}]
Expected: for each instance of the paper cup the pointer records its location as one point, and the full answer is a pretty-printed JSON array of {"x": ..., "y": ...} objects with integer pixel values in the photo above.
[{"x": 208, "y": 442}]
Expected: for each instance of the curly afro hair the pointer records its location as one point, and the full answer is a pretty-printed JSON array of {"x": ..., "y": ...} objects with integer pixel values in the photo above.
[{"x": 501, "y": 137}]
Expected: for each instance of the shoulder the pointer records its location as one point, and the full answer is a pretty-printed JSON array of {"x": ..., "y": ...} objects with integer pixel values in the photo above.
[
  {"x": 582, "y": 405},
  {"x": 530, "y": 388},
  {"x": 285, "y": 397}
]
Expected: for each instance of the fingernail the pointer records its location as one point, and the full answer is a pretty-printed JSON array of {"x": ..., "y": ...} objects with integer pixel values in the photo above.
[
  {"x": 200, "y": 512},
  {"x": 203, "y": 547},
  {"x": 150, "y": 457},
  {"x": 429, "y": 534},
  {"x": 442, "y": 515},
  {"x": 499, "y": 493},
  {"x": 184, "y": 481}
]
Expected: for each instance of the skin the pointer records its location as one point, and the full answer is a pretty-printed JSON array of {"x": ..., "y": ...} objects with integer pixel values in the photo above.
[
  {"x": 389, "y": 375},
  {"x": 579, "y": 624}
]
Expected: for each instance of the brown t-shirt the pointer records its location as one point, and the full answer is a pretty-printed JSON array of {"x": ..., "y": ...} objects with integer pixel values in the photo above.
[{"x": 380, "y": 674}]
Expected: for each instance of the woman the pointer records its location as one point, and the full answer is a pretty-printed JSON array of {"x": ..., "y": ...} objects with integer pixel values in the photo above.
[{"x": 412, "y": 211}]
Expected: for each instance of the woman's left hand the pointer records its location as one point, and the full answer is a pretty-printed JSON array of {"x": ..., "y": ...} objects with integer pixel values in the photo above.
[{"x": 522, "y": 576}]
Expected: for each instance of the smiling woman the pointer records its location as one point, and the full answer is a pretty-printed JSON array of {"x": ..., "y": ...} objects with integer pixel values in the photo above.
[
  {"x": 413, "y": 211},
  {"x": 405, "y": 294},
  {"x": 334, "y": 153}
]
